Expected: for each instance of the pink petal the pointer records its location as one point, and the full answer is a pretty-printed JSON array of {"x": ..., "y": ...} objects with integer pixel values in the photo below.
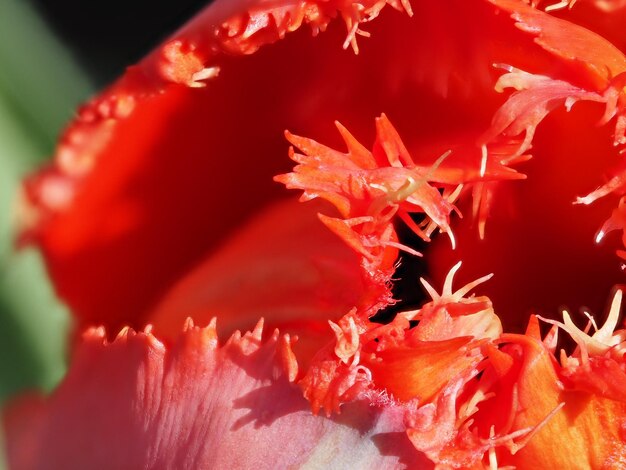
[{"x": 138, "y": 403}]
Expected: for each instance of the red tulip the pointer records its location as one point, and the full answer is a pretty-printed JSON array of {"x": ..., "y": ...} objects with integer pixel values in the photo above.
[{"x": 159, "y": 212}]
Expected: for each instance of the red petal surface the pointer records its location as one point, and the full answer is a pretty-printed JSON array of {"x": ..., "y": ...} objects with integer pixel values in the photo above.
[{"x": 158, "y": 170}]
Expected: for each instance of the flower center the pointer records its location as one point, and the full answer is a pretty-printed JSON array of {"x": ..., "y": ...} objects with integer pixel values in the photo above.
[
  {"x": 406, "y": 289},
  {"x": 540, "y": 246}
]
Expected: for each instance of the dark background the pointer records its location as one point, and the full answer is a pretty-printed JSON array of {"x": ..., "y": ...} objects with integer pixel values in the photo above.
[{"x": 108, "y": 36}]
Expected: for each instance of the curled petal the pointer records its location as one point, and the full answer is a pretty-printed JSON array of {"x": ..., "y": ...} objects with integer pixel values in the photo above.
[
  {"x": 437, "y": 430},
  {"x": 406, "y": 364},
  {"x": 368, "y": 189},
  {"x": 602, "y": 376},
  {"x": 420, "y": 370},
  {"x": 535, "y": 97},
  {"x": 529, "y": 404},
  {"x": 585, "y": 50},
  {"x": 347, "y": 339},
  {"x": 602, "y": 5},
  {"x": 617, "y": 221},
  {"x": 452, "y": 314},
  {"x": 329, "y": 383},
  {"x": 283, "y": 265},
  {"x": 597, "y": 365}
]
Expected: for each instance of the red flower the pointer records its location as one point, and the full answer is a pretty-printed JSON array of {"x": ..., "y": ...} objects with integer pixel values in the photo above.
[{"x": 159, "y": 212}]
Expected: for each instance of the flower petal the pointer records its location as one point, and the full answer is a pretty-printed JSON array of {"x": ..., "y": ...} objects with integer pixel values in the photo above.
[
  {"x": 529, "y": 396},
  {"x": 138, "y": 403},
  {"x": 422, "y": 369},
  {"x": 161, "y": 154},
  {"x": 586, "y": 50},
  {"x": 284, "y": 266},
  {"x": 182, "y": 149}
]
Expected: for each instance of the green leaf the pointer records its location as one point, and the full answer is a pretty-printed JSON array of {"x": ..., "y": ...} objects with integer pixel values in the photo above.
[{"x": 40, "y": 86}]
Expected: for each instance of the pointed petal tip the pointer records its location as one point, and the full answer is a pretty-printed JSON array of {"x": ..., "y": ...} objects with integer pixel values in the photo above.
[
  {"x": 189, "y": 324},
  {"x": 257, "y": 332},
  {"x": 288, "y": 358},
  {"x": 95, "y": 333},
  {"x": 125, "y": 333}
]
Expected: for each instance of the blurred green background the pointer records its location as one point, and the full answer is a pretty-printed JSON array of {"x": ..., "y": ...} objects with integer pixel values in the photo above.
[
  {"x": 39, "y": 87},
  {"x": 53, "y": 55}
]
